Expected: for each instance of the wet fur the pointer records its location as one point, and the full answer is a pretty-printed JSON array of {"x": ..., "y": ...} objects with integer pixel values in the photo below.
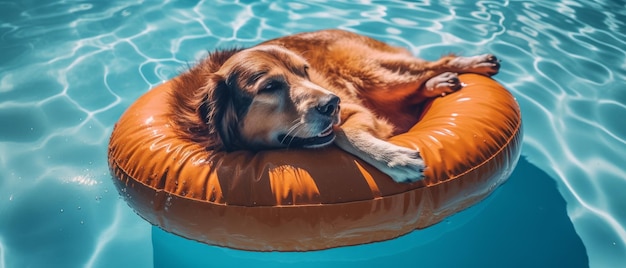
[{"x": 226, "y": 102}]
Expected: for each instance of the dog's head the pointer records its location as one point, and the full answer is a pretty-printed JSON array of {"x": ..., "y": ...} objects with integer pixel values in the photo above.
[{"x": 263, "y": 97}]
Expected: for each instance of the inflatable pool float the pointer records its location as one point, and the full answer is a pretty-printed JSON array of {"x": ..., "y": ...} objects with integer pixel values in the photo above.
[{"x": 299, "y": 200}]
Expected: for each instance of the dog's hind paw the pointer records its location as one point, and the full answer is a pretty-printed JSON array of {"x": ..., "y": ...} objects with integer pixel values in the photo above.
[
  {"x": 441, "y": 85},
  {"x": 486, "y": 64}
]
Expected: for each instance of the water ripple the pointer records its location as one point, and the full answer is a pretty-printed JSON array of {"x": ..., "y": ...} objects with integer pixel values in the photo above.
[{"x": 580, "y": 117}]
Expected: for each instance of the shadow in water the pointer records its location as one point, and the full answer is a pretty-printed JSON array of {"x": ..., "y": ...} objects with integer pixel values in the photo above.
[{"x": 524, "y": 223}]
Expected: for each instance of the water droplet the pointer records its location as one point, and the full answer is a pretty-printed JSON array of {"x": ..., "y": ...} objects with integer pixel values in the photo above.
[
  {"x": 82, "y": 222},
  {"x": 168, "y": 203},
  {"x": 78, "y": 207},
  {"x": 62, "y": 210}
]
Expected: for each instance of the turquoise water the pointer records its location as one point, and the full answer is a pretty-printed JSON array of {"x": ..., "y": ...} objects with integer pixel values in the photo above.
[{"x": 68, "y": 71}]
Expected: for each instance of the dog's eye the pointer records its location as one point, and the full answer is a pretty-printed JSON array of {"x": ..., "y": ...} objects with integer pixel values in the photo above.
[
  {"x": 306, "y": 70},
  {"x": 271, "y": 86}
]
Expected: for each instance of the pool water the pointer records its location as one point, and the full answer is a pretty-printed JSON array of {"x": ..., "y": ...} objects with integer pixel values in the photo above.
[{"x": 68, "y": 70}]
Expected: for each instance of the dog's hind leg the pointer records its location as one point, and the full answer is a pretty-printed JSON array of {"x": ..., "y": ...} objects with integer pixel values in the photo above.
[{"x": 401, "y": 76}]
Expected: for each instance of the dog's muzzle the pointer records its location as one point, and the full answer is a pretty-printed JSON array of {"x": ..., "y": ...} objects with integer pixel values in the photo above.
[{"x": 327, "y": 112}]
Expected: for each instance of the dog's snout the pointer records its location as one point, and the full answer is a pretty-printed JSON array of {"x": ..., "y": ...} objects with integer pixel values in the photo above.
[{"x": 328, "y": 105}]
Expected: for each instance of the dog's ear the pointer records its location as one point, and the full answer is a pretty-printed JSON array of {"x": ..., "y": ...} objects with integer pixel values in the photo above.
[
  {"x": 218, "y": 109},
  {"x": 202, "y": 105}
]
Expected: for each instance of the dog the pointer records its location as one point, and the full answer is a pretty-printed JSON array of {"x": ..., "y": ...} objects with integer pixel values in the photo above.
[{"x": 312, "y": 89}]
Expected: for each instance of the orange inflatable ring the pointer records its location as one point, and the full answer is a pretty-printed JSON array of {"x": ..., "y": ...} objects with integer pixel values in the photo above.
[{"x": 297, "y": 200}]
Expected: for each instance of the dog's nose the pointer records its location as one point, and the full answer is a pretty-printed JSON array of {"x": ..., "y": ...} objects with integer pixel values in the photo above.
[{"x": 328, "y": 105}]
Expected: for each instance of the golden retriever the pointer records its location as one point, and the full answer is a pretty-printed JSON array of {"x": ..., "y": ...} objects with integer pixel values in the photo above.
[{"x": 311, "y": 89}]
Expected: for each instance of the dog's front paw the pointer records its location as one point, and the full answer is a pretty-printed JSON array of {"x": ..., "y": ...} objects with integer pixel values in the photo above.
[
  {"x": 404, "y": 165},
  {"x": 399, "y": 163}
]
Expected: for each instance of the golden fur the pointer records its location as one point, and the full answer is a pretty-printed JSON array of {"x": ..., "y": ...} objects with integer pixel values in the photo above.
[{"x": 312, "y": 89}]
